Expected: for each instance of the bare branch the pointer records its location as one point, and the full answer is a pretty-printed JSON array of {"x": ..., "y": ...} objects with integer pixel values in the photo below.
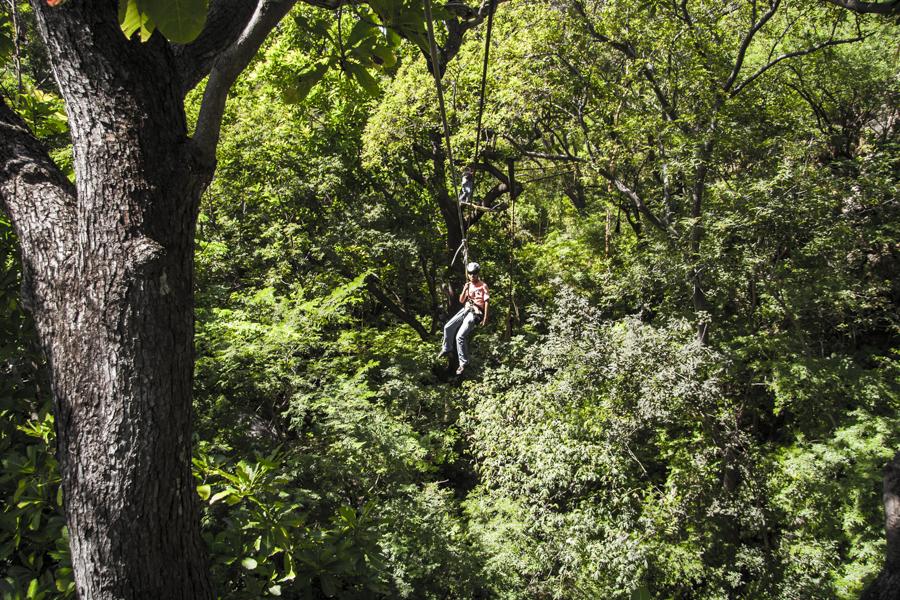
[
  {"x": 638, "y": 201},
  {"x": 228, "y": 66},
  {"x": 817, "y": 47},
  {"x": 745, "y": 43},
  {"x": 891, "y": 8}
]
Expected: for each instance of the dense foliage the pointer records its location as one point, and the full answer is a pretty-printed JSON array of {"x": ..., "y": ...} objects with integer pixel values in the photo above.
[{"x": 689, "y": 384}]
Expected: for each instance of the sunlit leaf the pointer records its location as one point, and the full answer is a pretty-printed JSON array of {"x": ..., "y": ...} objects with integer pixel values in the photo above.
[
  {"x": 360, "y": 30},
  {"x": 133, "y": 18},
  {"x": 386, "y": 56},
  {"x": 204, "y": 491},
  {"x": 181, "y": 21}
]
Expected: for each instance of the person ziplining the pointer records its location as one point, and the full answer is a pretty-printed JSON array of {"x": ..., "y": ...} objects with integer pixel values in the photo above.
[
  {"x": 474, "y": 298},
  {"x": 467, "y": 188}
]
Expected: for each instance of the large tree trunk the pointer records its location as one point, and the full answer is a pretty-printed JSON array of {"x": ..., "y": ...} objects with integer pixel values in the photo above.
[{"x": 109, "y": 280}]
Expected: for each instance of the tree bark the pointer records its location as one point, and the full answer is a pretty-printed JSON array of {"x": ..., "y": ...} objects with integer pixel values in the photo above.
[
  {"x": 110, "y": 280},
  {"x": 887, "y": 585}
]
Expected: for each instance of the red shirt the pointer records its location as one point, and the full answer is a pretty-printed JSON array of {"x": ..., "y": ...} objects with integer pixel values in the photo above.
[{"x": 477, "y": 293}]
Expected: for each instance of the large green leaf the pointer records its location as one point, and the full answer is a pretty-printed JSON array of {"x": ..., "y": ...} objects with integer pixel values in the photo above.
[
  {"x": 360, "y": 30},
  {"x": 363, "y": 77},
  {"x": 181, "y": 21}
]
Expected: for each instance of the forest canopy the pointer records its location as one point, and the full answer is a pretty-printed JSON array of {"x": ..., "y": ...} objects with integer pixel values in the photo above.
[{"x": 687, "y": 214}]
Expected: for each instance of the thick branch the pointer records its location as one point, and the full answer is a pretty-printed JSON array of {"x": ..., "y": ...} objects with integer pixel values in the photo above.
[
  {"x": 228, "y": 66},
  {"x": 464, "y": 18},
  {"x": 41, "y": 203},
  {"x": 494, "y": 171},
  {"x": 876, "y": 8},
  {"x": 887, "y": 585},
  {"x": 225, "y": 22}
]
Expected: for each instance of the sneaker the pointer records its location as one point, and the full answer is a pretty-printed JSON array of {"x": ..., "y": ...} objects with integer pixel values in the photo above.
[{"x": 460, "y": 369}]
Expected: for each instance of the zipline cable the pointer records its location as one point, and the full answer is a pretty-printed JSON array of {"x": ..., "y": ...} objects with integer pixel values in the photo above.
[
  {"x": 487, "y": 50},
  {"x": 435, "y": 70}
]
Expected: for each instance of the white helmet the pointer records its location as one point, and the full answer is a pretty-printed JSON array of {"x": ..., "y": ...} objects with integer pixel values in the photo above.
[{"x": 473, "y": 267}]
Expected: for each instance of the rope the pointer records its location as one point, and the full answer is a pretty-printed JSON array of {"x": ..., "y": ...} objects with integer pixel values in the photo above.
[
  {"x": 484, "y": 69},
  {"x": 435, "y": 66}
]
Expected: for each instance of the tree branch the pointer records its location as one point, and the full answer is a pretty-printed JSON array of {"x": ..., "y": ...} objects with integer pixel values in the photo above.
[
  {"x": 745, "y": 44},
  {"x": 817, "y": 47},
  {"x": 226, "y": 68},
  {"x": 225, "y": 21},
  {"x": 638, "y": 201},
  {"x": 494, "y": 171},
  {"x": 544, "y": 155},
  {"x": 876, "y": 8},
  {"x": 41, "y": 203},
  {"x": 647, "y": 69}
]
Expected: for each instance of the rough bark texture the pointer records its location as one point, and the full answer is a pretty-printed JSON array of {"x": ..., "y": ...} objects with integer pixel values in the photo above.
[{"x": 109, "y": 278}]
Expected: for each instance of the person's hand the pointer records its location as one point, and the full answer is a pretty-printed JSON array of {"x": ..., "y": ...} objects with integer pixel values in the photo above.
[{"x": 484, "y": 322}]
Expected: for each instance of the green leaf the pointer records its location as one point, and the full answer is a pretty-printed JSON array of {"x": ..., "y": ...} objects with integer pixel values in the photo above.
[
  {"x": 360, "y": 30},
  {"x": 249, "y": 563},
  {"x": 20, "y": 490},
  {"x": 133, "y": 17},
  {"x": 181, "y": 21},
  {"x": 363, "y": 77},
  {"x": 204, "y": 491},
  {"x": 219, "y": 495},
  {"x": 329, "y": 585},
  {"x": 640, "y": 593},
  {"x": 33, "y": 587},
  {"x": 275, "y": 590}
]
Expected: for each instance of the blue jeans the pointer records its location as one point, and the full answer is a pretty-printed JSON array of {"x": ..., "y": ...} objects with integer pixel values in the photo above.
[{"x": 460, "y": 327}]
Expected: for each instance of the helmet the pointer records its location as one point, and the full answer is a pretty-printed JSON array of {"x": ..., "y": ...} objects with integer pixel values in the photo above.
[{"x": 473, "y": 267}]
